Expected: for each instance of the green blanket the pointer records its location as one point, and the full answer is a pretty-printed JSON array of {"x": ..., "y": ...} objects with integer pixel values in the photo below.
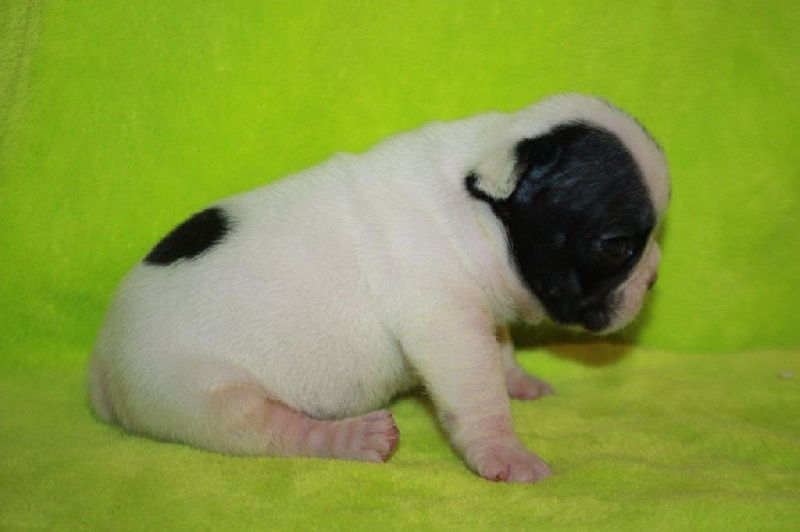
[{"x": 118, "y": 119}]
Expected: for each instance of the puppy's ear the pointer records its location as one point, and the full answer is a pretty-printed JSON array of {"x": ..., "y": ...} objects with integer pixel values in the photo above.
[
  {"x": 535, "y": 160},
  {"x": 521, "y": 168},
  {"x": 495, "y": 177}
]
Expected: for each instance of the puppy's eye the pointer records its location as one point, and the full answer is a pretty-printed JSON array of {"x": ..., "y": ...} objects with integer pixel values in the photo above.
[{"x": 617, "y": 249}]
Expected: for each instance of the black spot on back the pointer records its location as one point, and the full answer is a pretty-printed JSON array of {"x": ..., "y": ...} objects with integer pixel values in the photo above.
[{"x": 191, "y": 239}]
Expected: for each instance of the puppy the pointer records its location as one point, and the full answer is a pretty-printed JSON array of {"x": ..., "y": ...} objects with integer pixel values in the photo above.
[{"x": 280, "y": 321}]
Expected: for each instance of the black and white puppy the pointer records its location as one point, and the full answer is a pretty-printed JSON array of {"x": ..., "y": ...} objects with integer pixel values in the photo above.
[{"x": 281, "y": 321}]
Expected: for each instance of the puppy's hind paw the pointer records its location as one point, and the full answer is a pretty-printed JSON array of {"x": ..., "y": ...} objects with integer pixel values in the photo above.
[{"x": 368, "y": 438}]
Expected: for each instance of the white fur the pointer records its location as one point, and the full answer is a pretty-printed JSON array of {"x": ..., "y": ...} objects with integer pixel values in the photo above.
[{"x": 348, "y": 283}]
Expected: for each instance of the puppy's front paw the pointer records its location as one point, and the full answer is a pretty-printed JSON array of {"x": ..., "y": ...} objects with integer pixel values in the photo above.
[
  {"x": 526, "y": 387},
  {"x": 509, "y": 463}
]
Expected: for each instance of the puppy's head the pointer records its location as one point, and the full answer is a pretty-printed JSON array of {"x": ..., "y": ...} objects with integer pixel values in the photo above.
[{"x": 580, "y": 187}]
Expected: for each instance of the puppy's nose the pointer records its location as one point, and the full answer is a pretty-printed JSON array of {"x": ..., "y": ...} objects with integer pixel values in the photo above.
[{"x": 652, "y": 282}]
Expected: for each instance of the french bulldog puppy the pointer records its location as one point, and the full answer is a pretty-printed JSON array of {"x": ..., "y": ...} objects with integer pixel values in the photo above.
[{"x": 281, "y": 321}]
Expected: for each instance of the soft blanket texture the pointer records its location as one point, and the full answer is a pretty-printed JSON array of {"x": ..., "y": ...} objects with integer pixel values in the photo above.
[
  {"x": 118, "y": 119},
  {"x": 652, "y": 442}
]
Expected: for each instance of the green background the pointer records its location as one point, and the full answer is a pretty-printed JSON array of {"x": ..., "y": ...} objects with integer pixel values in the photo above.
[{"x": 118, "y": 119}]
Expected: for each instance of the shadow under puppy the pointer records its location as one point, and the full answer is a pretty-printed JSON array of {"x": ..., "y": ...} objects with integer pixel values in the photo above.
[{"x": 280, "y": 321}]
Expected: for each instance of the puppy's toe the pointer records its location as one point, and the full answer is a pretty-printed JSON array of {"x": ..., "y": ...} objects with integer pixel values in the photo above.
[
  {"x": 374, "y": 436},
  {"x": 526, "y": 387},
  {"x": 511, "y": 464}
]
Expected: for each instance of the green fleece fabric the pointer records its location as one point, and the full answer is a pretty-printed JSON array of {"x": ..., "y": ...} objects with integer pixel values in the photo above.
[{"x": 119, "y": 119}]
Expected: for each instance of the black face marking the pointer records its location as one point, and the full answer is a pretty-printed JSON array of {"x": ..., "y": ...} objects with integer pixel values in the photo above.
[
  {"x": 577, "y": 222},
  {"x": 192, "y": 238}
]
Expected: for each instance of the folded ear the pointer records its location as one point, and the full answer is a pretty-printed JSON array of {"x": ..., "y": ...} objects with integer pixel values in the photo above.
[
  {"x": 495, "y": 177},
  {"x": 535, "y": 160},
  {"x": 520, "y": 167}
]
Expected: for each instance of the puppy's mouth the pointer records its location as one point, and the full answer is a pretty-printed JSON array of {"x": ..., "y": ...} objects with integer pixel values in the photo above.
[
  {"x": 595, "y": 321},
  {"x": 618, "y": 310},
  {"x": 606, "y": 308},
  {"x": 594, "y": 318}
]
